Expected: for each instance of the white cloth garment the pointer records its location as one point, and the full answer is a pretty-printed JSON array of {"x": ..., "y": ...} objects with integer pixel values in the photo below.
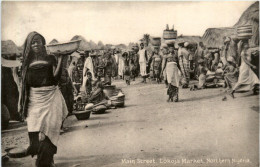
[
  {"x": 143, "y": 69},
  {"x": 247, "y": 78},
  {"x": 142, "y": 62},
  {"x": 142, "y": 58},
  {"x": 121, "y": 65},
  {"x": 172, "y": 74},
  {"x": 46, "y": 111},
  {"x": 87, "y": 65},
  {"x": 116, "y": 58}
]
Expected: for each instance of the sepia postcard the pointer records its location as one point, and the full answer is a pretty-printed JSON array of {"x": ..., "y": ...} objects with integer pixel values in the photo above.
[{"x": 130, "y": 83}]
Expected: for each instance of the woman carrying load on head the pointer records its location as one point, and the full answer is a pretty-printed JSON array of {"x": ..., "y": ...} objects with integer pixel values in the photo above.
[
  {"x": 164, "y": 49},
  {"x": 156, "y": 64},
  {"x": 171, "y": 61},
  {"x": 42, "y": 103}
]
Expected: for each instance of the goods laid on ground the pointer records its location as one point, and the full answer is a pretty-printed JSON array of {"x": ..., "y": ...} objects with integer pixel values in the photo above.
[
  {"x": 83, "y": 111},
  {"x": 119, "y": 100},
  {"x": 64, "y": 48},
  {"x": 100, "y": 108},
  {"x": 244, "y": 32},
  {"x": 111, "y": 90},
  {"x": 214, "y": 80}
]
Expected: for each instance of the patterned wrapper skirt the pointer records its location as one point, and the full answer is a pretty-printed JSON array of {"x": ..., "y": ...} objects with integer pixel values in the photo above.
[
  {"x": 172, "y": 90},
  {"x": 185, "y": 68}
]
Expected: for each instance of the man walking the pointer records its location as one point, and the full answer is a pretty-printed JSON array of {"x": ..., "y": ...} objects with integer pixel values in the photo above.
[{"x": 143, "y": 62}]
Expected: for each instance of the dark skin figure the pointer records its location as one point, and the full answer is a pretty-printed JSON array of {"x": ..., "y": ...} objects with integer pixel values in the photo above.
[{"x": 171, "y": 51}]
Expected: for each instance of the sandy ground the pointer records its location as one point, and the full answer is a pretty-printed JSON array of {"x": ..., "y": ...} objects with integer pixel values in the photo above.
[{"x": 199, "y": 130}]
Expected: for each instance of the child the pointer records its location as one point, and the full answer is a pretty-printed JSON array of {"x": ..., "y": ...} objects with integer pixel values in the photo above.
[
  {"x": 156, "y": 65},
  {"x": 127, "y": 71},
  {"x": 231, "y": 73},
  {"x": 202, "y": 76},
  {"x": 89, "y": 83}
]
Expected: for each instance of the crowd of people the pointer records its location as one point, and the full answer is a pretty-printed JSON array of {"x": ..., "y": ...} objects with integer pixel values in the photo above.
[
  {"x": 50, "y": 83},
  {"x": 230, "y": 66}
]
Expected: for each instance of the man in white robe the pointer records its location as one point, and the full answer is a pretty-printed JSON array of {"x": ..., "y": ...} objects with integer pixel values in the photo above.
[{"x": 88, "y": 66}]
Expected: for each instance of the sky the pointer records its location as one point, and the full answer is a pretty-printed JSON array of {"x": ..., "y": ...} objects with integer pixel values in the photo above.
[{"x": 114, "y": 22}]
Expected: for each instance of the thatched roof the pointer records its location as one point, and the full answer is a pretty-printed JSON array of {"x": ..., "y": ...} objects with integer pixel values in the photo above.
[
  {"x": 251, "y": 16},
  {"x": 9, "y": 47},
  {"x": 190, "y": 39},
  {"x": 54, "y": 41},
  {"x": 213, "y": 37}
]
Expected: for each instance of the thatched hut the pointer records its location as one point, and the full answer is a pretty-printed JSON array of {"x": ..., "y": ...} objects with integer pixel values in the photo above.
[
  {"x": 213, "y": 37},
  {"x": 190, "y": 39},
  {"x": 54, "y": 41},
  {"x": 9, "y": 48},
  {"x": 9, "y": 80}
]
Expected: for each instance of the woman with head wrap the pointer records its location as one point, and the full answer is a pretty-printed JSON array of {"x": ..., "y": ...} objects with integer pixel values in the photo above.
[
  {"x": 109, "y": 66},
  {"x": 42, "y": 103},
  {"x": 171, "y": 61},
  {"x": 164, "y": 55},
  {"x": 156, "y": 64}
]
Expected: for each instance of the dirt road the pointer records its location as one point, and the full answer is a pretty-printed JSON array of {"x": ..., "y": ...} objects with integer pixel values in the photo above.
[{"x": 199, "y": 130}]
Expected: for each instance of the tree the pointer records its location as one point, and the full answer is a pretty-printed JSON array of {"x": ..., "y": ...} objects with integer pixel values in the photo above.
[
  {"x": 101, "y": 45},
  {"x": 146, "y": 39}
]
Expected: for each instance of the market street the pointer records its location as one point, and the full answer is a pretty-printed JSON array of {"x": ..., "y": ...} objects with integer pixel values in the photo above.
[{"x": 199, "y": 130}]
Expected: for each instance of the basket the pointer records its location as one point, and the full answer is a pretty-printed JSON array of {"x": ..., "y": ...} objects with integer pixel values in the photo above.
[
  {"x": 17, "y": 152},
  {"x": 155, "y": 41},
  {"x": 118, "y": 101},
  {"x": 82, "y": 115},
  {"x": 64, "y": 48},
  {"x": 169, "y": 34},
  {"x": 244, "y": 32}
]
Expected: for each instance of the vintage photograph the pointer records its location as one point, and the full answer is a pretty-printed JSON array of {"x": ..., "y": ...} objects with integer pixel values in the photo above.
[{"x": 130, "y": 83}]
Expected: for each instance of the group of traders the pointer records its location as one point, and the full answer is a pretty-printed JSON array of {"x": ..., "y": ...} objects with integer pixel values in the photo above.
[
  {"x": 47, "y": 90},
  {"x": 175, "y": 63}
]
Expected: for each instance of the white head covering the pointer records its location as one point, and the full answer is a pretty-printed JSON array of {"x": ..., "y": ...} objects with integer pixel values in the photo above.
[{"x": 186, "y": 44}]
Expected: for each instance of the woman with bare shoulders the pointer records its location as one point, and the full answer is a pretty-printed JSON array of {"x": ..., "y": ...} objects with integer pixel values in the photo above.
[{"x": 42, "y": 103}]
